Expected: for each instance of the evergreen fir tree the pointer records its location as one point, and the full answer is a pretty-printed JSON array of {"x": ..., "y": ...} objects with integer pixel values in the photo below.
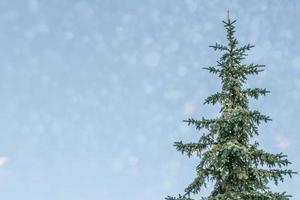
[{"x": 235, "y": 164}]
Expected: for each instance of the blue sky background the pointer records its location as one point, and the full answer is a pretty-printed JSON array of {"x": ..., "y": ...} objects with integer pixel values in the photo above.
[{"x": 93, "y": 93}]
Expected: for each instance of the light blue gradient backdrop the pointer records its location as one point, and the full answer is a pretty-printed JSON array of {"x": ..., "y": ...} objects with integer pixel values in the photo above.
[{"x": 93, "y": 93}]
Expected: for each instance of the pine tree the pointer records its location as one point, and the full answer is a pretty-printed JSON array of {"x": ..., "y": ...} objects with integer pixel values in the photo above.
[{"x": 229, "y": 158}]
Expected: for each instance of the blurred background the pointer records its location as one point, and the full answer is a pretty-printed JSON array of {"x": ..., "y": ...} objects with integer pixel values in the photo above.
[{"x": 93, "y": 93}]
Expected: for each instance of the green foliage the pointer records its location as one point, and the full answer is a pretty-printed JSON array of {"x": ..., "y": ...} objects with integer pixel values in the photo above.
[{"x": 238, "y": 168}]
